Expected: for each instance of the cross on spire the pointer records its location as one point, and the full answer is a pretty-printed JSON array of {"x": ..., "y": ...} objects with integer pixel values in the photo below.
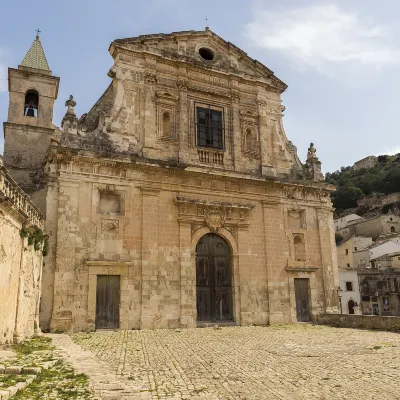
[
  {"x": 206, "y": 19},
  {"x": 37, "y": 33}
]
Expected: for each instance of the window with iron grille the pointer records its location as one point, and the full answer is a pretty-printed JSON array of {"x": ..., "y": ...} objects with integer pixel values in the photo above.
[{"x": 209, "y": 128}]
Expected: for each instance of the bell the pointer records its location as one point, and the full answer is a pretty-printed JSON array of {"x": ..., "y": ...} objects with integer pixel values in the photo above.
[{"x": 30, "y": 112}]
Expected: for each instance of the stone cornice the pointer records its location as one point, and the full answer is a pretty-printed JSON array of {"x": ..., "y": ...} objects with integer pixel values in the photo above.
[
  {"x": 30, "y": 127},
  {"x": 278, "y": 190},
  {"x": 241, "y": 77}
]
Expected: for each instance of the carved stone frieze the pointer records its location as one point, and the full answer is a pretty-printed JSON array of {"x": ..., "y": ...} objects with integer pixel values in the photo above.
[{"x": 215, "y": 215}]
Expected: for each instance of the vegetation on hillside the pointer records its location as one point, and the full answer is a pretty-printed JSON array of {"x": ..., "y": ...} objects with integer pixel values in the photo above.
[{"x": 384, "y": 177}]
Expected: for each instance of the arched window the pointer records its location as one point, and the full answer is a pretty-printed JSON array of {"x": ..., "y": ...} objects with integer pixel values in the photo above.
[
  {"x": 299, "y": 248},
  {"x": 351, "y": 305},
  {"x": 31, "y": 104},
  {"x": 248, "y": 140},
  {"x": 166, "y": 123},
  {"x": 392, "y": 229}
]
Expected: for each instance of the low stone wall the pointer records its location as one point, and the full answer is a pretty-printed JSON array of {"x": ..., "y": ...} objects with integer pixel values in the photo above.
[
  {"x": 359, "y": 321},
  {"x": 20, "y": 262}
]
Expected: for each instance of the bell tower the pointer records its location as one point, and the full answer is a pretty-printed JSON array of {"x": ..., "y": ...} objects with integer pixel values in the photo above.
[{"x": 29, "y": 127}]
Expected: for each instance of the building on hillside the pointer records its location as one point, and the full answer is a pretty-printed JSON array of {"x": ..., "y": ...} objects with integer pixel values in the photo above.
[
  {"x": 374, "y": 227},
  {"x": 376, "y": 200},
  {"x": 347, "y": 252},
  {"x": 365, "y": 163},
  {"x": 177, "y": 200},
  {"x": 21, "y": 258},
  {"x": 380, "y": 291},
  {"x": 348, "y": 263},
  {"x": 381, "y": 249},
  {"x": 348, "y": 282},
  {"x": 390, "y": 260},
  {"x": 345, "y": 221}
]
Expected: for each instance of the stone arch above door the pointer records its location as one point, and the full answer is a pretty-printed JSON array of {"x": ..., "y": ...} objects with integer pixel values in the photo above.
[{"x": 224, "y": 233}]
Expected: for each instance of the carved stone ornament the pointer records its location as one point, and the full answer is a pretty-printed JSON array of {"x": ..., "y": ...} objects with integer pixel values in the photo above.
[
  {"x": 214, "y": 220},
  {"x": 110, "y": 225}
]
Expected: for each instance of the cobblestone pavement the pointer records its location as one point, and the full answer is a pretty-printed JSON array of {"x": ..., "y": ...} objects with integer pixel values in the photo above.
[{"x": 287, "y": 362}]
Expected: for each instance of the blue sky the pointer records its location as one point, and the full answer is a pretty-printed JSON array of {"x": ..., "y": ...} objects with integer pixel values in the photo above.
[{"x": 341, "y": 59}]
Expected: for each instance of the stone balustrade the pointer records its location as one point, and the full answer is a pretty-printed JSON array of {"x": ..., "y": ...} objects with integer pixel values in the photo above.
[
  {"x": 209, "y": 156},
  {"x": 17, "y": 199}
]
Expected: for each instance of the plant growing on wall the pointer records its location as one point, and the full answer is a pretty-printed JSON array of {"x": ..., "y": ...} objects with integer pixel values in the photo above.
[{"x": 36, "y": 238}]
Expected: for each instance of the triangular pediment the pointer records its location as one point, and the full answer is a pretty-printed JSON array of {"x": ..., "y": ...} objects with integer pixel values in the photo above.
[{"x": 202, "y": 48}]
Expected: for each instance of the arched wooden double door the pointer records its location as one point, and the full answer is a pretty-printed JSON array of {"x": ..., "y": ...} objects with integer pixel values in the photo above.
[{"x": 213, "y": 279}]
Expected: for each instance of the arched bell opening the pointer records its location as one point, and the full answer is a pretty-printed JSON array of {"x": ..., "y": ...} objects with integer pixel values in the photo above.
[
  {"x": 213, "y": 279},
  {"x": 31, "y": 104}
]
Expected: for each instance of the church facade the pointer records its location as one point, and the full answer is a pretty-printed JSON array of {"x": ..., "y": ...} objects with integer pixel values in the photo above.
[{"x": 177, "y": 200}]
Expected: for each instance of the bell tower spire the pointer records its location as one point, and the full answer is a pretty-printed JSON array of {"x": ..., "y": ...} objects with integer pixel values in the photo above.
[
  {"x": 27, "y": 133},
  {"x": 35, "y": 57}
]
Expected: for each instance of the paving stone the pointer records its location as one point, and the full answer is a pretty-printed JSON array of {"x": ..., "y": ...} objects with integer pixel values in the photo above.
[
  {"x": 245, "y": 363},
  {"x": 15, "y": 370}
]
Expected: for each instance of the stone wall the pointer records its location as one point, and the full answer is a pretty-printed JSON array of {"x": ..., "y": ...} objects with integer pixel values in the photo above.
[
  {"x": 359, "y": 321},
  {"x": 20, "y": 263},
  {"x": 150, "y": 239}
]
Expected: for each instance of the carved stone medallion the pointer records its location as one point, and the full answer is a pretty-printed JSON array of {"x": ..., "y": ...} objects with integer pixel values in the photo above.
[{"x": 214, "y": 220}]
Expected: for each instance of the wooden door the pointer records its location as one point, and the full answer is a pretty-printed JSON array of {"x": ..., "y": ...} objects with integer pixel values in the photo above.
[
  {"x": 107, "y": 301},
  {"x": 213, "y": 279},
  {"x": 301, "y": 289}
]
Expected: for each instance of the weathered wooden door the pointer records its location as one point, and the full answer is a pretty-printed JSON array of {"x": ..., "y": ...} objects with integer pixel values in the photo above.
[
  {"x": 107, "y": 302},
  {"x": 213, "y": 279},
  {"x": 302, "y": 299}
]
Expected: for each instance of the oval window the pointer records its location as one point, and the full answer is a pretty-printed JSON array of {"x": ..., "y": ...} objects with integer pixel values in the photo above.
[{"x": 206, "y": 54}]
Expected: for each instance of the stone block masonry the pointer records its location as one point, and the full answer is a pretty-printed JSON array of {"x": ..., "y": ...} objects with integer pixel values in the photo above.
[{"x": 20, "y": 262}]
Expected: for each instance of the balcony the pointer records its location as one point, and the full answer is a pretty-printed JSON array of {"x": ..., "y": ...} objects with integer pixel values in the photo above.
[{"x": 211, "y": 156}]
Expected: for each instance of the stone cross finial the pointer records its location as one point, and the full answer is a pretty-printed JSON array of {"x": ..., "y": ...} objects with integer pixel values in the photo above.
[
  {"x": 37, "y": 33},
  {"x": 70, "y": 103}
]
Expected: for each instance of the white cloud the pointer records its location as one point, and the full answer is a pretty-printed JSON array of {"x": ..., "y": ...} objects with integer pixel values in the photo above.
[{"x": 321, "y": 36}]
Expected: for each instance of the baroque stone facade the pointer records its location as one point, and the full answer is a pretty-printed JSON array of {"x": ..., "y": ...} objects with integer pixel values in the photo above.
[{"x": 178, "y": 200}]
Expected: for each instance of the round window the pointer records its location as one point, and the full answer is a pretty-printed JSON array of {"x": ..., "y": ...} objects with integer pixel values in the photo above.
[{"x": 207, "y": 54}]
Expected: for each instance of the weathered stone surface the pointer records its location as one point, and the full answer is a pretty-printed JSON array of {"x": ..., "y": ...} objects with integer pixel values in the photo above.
[
  {"x": 20, "y": 263},
  {"x": 129, "y": 190},
  {"x": 253, "y": 363}
]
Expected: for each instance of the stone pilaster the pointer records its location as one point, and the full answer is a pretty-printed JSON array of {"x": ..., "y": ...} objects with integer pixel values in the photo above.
[
  {"x": 266, "y": 167},
  {"x": 67, "y": 229},
  {"x": 236, "y": 144},
  {"x": 183, "y": 117},
  {"x": 150, "y": 265},
  {"x": 188, "y": 277},
  {"x": 328, "y": 259},
  {"x": 277, "y": 281}
]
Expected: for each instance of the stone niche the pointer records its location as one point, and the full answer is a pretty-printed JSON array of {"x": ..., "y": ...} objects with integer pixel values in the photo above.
[{"x": 109, "y": 203}]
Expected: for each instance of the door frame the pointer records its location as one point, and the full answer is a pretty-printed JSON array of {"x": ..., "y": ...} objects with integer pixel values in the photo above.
[
  {"x": 108, "y": 268},
  {"x": 108, "y": 291},
  {"x": 212, "y": 275},
  {"x": 312, "y": 293},
  {"x": 190, "y": 276}
]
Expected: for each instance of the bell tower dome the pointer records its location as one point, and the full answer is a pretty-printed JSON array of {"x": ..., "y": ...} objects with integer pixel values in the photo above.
[{"x": 29, "y": 127}]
